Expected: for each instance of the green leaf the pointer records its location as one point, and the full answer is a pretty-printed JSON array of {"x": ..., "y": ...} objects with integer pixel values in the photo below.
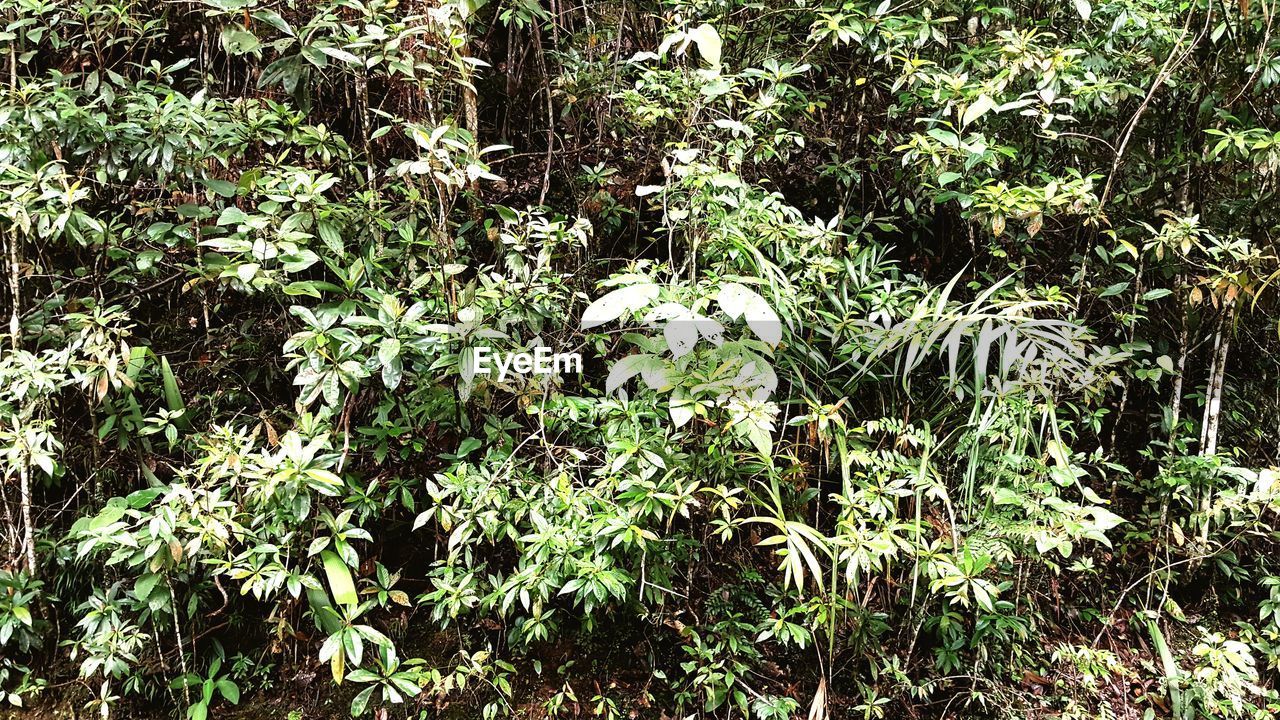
[
  {"x": 145, "y": 584},
  {"x": 340, "y": 54},
  {"x": 172, "y": 397},
  {"x": 1172, "y": 672},
  {"x": 361, "y": 701},
  {"x": 388, "y": 350},
  {"x": 330, "y": 236},
  {"x": 273, "y": 19},
  {"x": 302, "y": 287},
  {"x": 340, "y": 582},
  {"x": 325, "y": 481},
  {"x": 230, "y": 691},
  {"x": 222, "y": 188},
  {"x": 1114, "y": 289},
  {"x": 317, "y": 545},
  {"x": 322, "y": 611},
  {"x": 238, "y": 41},
  {"x": 147, "y": 259},
  {"x": 232, "y": 216},
  {"x": 142, "y": 498}
]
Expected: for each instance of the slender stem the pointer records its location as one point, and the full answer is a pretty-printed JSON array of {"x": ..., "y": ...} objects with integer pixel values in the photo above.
[
  {"x": 1175, "y": 399},
  {"x": 19, "y": 431}
]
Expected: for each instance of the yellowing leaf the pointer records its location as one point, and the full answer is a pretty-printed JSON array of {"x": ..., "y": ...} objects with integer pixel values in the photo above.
[
  {"x": 1034, "y": 224},
  {"x": 997, "y": 225},
  {"x": 338, "y": 664}
]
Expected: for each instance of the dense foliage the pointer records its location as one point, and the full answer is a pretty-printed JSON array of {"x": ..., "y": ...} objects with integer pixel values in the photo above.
[{"x": 929, "y": 358}]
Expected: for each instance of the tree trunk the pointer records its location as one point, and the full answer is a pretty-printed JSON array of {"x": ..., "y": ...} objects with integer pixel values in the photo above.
[
  {"x": 28, "y": 535},
  {"x": 1175, "y": 400},
  {"x": 1213, "y": 409},
  {"x": 1208, "y": 385},
  {"x": 1213, "y": 401}
]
